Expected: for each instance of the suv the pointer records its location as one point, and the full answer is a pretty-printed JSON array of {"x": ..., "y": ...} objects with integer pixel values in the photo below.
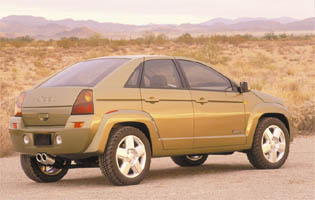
[{"x": 117, "y": 113}]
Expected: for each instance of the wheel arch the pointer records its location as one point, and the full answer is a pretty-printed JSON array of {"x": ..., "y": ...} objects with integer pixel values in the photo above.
[
  {"x": 279, "y": 116},
  {"x": 139, "y": 125},
  {"x": 267, "y": 110},
  {"x": 135, "y": 118}
]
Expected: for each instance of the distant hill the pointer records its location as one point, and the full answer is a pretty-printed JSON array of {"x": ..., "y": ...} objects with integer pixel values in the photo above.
[
  {"x": 82, "y": 32},
  {"x": 41, "y": 28}
]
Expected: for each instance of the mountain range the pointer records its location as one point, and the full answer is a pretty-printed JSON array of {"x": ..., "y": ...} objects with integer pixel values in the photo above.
[{"x": 41, "y": 28}]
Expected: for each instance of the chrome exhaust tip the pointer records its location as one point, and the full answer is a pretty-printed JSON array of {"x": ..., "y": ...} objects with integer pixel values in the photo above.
[
  {"x": 48, "y": 160},
  {"x": 39, "y": 157},
  {"x": 45, "y": 159}
]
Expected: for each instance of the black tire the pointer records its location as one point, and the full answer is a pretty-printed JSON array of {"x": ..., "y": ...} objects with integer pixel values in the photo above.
[
  {"x": 186, "y": 161},
  {"x": 33, "y": 171},
  {"x": 256, "y": 156},
  {"x": 107, "y": 160}
]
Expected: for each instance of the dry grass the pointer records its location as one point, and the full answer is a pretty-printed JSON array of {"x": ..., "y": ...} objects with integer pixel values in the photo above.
[{"x": 281, "y": 65}]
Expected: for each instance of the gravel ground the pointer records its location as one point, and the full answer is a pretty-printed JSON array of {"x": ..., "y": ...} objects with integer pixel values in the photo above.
[{"x": 221, "y": 177}]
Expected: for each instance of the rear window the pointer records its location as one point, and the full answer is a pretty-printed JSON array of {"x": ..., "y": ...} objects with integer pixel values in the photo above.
[{"x": 87, "y": 73}]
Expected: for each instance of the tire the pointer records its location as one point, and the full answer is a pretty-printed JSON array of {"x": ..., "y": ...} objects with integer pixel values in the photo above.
[
  {"x": 270, "y": 147},
  {"x": 189, "y": 161},
  {"x": 127, "y": 157},
  {"x": 35, "y": 170}
]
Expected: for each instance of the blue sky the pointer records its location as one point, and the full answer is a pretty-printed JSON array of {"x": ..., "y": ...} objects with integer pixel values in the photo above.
[{"x": 157, "y": 11}]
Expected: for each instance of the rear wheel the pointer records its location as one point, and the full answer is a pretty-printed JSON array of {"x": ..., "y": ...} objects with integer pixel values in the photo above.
[
  {"x": 270, "y": 147},
  {"x": 39, "y": 172},
  {"x": 127, "y": 157},
  {"x": 190, "y": 160}
]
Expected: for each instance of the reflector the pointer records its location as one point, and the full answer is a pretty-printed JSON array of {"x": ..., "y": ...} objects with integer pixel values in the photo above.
[
  {"x": 78, "y": 124},
  {"x": 18, "y": 105}
]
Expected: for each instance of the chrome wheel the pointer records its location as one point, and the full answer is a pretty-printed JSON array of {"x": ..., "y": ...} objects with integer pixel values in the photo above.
[
  {"x": 194, "y": 157},
  {"x": 273, "y": 143},
  {"x": 131, "y": 156}
]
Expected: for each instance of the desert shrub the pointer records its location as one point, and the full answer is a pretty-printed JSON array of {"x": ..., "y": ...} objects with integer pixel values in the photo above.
[
  {"x": 270, "y": 36},
  {"x": 283, "y": 36},
  {"x": 42, "y": 43},
  {"x": 93, "y": 41},
  {"x": 185, "y": 39},
  {"x": 213, "y": 53},
  {"x": 19, "y": 41},
  {"x": 67, "y": 43},
  {"x": 148, "y": 38},
  {"x": 233, "y": 39},
  {"x": 202, "y": 39},
  {"x": 261, "y": 61},
  {"x": 304, "y": 117},
  {"x": 161, "y": 39}
]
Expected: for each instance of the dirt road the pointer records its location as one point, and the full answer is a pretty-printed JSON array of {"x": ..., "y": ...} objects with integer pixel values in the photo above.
[{"x": 221, "y": 177}]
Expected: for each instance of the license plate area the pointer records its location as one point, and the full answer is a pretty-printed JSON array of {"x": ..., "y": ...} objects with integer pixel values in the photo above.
[{"x": 42, "y": 139}]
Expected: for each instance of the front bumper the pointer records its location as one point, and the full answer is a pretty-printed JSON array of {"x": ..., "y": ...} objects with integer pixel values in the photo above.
[{"x": 74, "y": 140}]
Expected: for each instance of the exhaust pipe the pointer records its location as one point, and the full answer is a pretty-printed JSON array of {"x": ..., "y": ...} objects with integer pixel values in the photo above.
[
  {"x": 45, "y": 159},
  {"x": 39, "y": 157}
]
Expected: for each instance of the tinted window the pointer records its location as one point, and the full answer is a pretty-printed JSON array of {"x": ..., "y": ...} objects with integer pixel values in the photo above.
[
  {"x": 160, "y": 74},
  {"x": 87, "y": 73},
  {"x": 134, "y": 78},
  {"x": 202, "y": 77}
]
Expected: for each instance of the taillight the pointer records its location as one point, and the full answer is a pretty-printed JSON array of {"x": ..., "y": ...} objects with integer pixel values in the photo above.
[
  {"x": 18, "y": 105},
  {"x": 84, "y": 103}
]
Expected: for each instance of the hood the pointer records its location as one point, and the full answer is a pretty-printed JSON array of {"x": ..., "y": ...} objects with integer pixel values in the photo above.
[{"x": 267, "y": 98}]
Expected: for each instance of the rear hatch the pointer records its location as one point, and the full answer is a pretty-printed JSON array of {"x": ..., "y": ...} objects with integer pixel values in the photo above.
[
  {"x": 51, "y": 103},
  {"x": 49, "y": 106}
]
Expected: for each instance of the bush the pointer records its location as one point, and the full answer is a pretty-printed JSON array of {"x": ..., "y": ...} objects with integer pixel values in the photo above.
[
  {"x": 270, "y": 36},
  {"x": 185, "y": 38},
  {"x": 304, "y": 117},
  {"x": 67, "y": 43}
]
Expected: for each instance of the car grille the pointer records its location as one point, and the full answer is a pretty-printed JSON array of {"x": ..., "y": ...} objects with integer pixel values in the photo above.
[{"x": 42, "y": 139}]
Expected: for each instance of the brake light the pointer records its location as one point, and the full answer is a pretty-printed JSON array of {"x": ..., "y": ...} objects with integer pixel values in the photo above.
[
  {"x": 84, "y": 103},
  {"x": 18, "y": 105}
]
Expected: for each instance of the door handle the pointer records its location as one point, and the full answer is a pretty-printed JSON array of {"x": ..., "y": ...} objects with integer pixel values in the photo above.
[
  {"x": 152, "y": 99},
  {"x": 202, "y": 100}
]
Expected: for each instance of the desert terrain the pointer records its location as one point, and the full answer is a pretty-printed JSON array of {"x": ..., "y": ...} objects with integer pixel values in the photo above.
[
  {"x": 221, "y": 177},
  {"x": 281, "y": 65}
]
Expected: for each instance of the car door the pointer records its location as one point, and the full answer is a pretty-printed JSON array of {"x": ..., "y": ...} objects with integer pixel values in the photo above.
[
  {"x": 219, "y": 118},
  {"x": 169, "y": 104}
]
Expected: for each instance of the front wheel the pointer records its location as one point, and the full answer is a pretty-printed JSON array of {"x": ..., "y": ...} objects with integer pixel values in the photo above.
[
  {"x": 39, "y": 172},
  {"x": 270, "y": 146},
  {"x": 190, "y": 160},
  {"x": 127, "y": 156}
]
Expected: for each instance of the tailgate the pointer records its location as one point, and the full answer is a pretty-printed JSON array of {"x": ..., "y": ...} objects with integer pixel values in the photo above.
[{"x": 49, "y": 106}]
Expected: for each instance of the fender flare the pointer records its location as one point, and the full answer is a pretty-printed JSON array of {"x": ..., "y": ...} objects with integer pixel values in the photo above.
[
  {"x": 258, "y": 112},
  {"x": 108, "y": 121}
]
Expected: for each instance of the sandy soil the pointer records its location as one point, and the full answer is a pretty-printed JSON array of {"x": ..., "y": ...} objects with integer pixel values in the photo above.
[{"x": 221, "y": 177}]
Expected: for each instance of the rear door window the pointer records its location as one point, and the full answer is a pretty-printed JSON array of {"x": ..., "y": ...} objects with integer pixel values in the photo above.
[
  {"x": 161, "y": 74},
  {"x": 86, "y": 74}
]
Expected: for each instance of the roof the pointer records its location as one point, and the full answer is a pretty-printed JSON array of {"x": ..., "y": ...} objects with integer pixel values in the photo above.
[{"x": 134, "y": 56}]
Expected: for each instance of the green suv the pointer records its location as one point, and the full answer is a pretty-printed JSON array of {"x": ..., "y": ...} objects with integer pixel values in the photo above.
[{"x": 117, "y": 113}]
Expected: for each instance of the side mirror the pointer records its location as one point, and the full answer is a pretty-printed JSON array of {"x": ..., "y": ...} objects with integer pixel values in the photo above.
[{"x": 243, "y": 87}]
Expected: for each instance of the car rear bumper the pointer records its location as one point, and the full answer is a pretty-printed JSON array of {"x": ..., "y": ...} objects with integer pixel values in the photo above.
[{"x": 74, "y": 140}]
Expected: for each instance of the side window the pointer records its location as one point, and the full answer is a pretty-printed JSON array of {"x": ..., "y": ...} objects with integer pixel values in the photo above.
[
  {"x": 204, "y": 78},
  {"x": 160, "y": 74},
  {"x": 134, "y": 78}
]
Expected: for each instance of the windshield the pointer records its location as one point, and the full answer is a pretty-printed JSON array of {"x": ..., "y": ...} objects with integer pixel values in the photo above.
[{"x": 87, "y": 73}]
